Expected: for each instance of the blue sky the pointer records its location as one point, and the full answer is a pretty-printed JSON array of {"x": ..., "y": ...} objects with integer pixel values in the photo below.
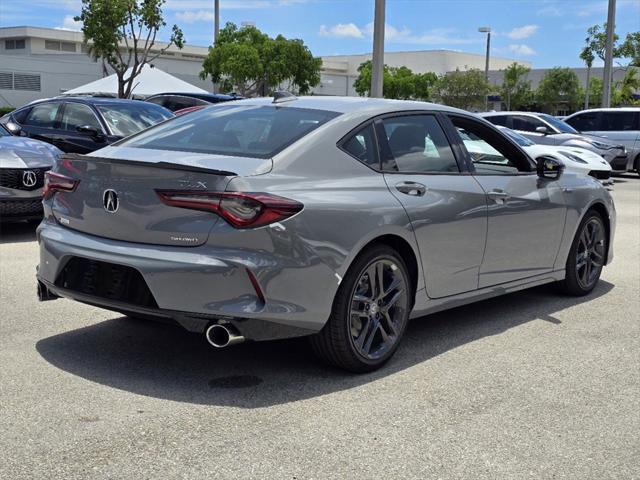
[{"x": 545, "y": 32}]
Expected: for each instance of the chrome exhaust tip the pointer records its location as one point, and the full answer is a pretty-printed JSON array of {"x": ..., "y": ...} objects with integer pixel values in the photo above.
[{"x": 221, "y": 336}]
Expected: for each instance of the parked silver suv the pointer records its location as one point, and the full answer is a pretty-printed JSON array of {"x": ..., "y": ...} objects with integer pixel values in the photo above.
[
  {"x": 620, "y": 125},
  {"x": 547, "y": 130}
]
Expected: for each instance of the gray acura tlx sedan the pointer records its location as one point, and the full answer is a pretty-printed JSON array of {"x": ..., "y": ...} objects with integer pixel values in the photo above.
[{"x": 337, "y": 218}]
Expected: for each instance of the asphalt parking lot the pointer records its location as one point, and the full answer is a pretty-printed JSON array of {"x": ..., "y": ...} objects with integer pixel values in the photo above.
[{"x": 531, "y": 385}]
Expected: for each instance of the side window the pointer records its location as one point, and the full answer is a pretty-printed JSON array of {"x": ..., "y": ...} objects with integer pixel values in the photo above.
[
  {"x": 78, "y": 115},
  {"x": 526, "y": 124},
  {"x": 42, "y": 116},
  {"x": 418, "y": 144},
  {"x": 162, "y": 101},
  {"x": 618, "y": 121},
  {"x": 362, "y": 145},
  {"x": 498, "y": 120},
  {"x": 584, "y": 122},
  {"x": 491, "y": 152}
]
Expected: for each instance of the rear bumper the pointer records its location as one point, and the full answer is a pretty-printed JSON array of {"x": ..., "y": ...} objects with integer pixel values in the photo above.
[{"x": 195, "y": 286}]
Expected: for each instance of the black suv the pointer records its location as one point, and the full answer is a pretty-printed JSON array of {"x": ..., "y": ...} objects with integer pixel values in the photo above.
[
  {"x": 178, "y": 101},
  {"x": 83, "y": 124}
]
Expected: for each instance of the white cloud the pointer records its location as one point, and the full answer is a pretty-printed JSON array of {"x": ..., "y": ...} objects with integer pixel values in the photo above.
[
  {"x": 525, "y": 31},
  {"x": 196, "y": 16},
  {"x": 341, "y": 30},
  {"x": 188, "y": 5},
  {"x": 521, "y": 49},
  {"x": 70, "y": 24},
  {"x": 392, "y": 34}
]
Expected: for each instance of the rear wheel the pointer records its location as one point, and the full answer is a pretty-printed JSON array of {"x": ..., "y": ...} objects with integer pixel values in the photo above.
[
  {"x": 586, "y": 257},
  {"x": 636, "y": 164},
  {"x": 369, "y": 315}
]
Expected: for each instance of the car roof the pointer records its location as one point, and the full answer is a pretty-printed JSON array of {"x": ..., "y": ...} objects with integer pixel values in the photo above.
[
  {"x": 90, "y": 100},
  {"x": 195, "y": 95},
  {"x": 610, "y": 109},
  {"x": 349, "y": 104},
  {"x": 510, "y": 112}
]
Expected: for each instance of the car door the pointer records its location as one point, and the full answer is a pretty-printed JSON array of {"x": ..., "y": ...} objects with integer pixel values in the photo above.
[
  {"x": 526, "y": 214},
  {"x": 446, "y": 206},
  {"x": 74, "y": 116},
  {"x": 42, "y": 122}
]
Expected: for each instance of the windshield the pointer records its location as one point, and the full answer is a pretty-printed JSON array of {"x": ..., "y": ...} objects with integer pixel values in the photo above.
[
  {"x": 239, "y": 130},
  {"x": 127, "y": 119},
  {"x": 558, "y": 124},
  {"x": 516, "y": 137}
]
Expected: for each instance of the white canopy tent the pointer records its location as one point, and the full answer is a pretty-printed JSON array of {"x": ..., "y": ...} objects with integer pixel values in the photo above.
[{"x": 150, "y": 81}]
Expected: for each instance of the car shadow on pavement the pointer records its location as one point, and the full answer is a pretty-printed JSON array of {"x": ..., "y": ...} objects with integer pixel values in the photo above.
[
  {"x": 16, "y": 232},
  {"x": 166, "y": 362}
]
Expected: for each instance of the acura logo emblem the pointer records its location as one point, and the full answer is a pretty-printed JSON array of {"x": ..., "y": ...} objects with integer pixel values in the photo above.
[
  {"x": 110, "y": 201},
  {"x": 29, "y": 178}
]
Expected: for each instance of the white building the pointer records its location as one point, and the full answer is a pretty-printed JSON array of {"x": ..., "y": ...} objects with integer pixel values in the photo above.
[
  {"x": 44, "y": 62},
  {"x": 340, "y": 71}
]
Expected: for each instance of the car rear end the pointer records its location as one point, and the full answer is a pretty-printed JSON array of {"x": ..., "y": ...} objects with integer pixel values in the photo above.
[{"x": 166, "y": 225}]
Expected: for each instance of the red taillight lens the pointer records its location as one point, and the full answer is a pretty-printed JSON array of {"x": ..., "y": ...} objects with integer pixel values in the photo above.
[
  {"x": 55, "y": 182},
  {"x": 241, "y": 210}
]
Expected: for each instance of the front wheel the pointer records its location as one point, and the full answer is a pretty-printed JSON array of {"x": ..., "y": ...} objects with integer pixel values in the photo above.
[
  {"x": 586, "y": 257},
  {"x": 369, "y": 315}
]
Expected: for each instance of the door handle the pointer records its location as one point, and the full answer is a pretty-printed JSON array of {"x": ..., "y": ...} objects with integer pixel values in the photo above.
[
  {"x": 499, "y": 196},
  {"x": 411, "y": 188}
]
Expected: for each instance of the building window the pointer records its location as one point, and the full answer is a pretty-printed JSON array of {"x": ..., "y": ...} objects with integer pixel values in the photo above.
[
  {"x": 52, "y": 45},
  {"x": 68, "y": 47},
  {"x": 15, "y": 44},
  {"x": 20, "y": 81}
]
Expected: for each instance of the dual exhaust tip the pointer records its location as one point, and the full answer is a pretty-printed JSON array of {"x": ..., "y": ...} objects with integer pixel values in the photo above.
[{"x": 221, "y": 336}]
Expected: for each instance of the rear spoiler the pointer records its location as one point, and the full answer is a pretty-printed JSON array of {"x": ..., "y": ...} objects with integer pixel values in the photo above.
[{"x": 162, "y": 165}]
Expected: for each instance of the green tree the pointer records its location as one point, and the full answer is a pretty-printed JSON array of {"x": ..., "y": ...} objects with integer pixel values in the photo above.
[
  {"x": 587, "y": 56},
  {"x": 398, "y": 82},
  {"x": 594, "y": 97},
  {"x": 122, "y": 34},
  {"x": 559, "y": 86},
  {"x": 630, "y": 48},
  {"x": 516, "y": 89},
  {"x": 463, "y": 89},
  {"x": 596, "y": 41},
  {"x": 624, "y": 89},
  {"x": 252, "y": 63}
]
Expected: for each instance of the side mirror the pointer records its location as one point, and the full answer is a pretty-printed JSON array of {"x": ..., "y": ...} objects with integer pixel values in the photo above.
[
  {"x": 542, "y": 129},
  {"x": 14, "y": 128},
  {"x": 549, "y": 168},
  {"x": 88, "y": 130}
]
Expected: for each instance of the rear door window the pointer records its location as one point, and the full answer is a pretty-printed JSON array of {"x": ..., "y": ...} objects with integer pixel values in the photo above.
[
  {"x": 417, "y": 144},
  {"x": 501, "y": 120},
  {"x": 43, "y": 116},
  {"x": 619, "y": 121},
  {"x": 78, "y": 115},
  {"x": 526, "y": 124},
  {"x": 240, "y": 130}
]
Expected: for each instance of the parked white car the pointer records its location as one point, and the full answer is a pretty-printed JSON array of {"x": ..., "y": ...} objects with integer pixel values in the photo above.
[{"x": 576, "y": 160}]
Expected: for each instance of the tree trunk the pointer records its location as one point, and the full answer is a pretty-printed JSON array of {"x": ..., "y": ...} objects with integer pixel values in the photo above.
[
  {"x": 120, "y": 84},
  {"x": 586, "y": 97}
]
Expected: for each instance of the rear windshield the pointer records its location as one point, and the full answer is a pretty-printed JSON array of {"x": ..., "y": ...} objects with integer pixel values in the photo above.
[
  {"x": 127, "y": 119},
  {"x": 241, "y": 130},
  {"x": 563, "y": 127}
]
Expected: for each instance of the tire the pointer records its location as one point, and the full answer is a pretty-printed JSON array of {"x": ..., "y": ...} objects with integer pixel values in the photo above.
[
  {"x": 586, "y": 256},
  {"x": 636, "y": 164},
  {"x": 364, "y": 341}
]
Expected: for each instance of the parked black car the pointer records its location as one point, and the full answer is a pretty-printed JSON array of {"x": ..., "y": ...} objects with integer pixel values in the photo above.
[
  {"x": 83, "y": 124},
  {"x": 177, "y": 101}
]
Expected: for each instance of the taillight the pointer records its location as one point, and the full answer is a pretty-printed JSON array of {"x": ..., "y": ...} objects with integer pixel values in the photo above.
[
  {"x": 241, "y": 210},
  {"x": 55, "y": 182}
]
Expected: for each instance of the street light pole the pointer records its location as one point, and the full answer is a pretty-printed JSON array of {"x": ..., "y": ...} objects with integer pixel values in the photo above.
[
  {"x": 608, "y": 55},
  {"x": 377, "y": 71},
  {"x": 486, "y": 30},
  {"x": 216, "y": 20}
]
